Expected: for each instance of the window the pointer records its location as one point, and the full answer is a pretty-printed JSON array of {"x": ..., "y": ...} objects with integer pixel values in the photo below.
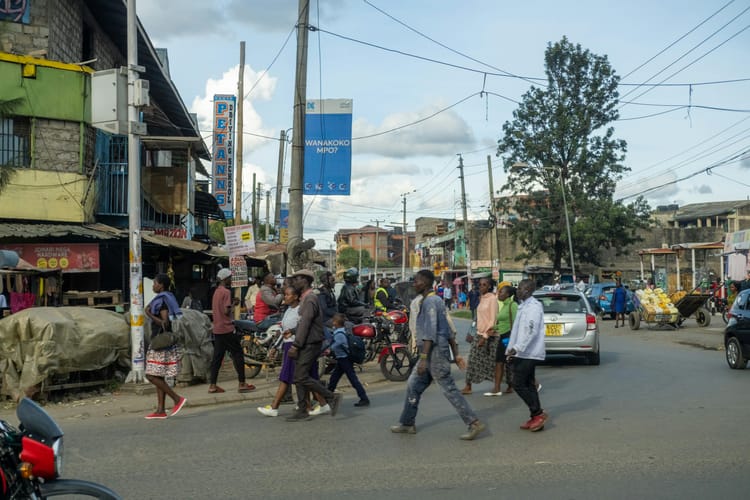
[{"x": 14, "y": 141}]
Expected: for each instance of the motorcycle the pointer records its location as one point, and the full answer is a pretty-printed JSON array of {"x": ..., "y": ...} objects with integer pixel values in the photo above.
[
  {"x": 31, "y": 459},
  {"x": 382, "y": 341},
  {"x": 257, "y": 343}
]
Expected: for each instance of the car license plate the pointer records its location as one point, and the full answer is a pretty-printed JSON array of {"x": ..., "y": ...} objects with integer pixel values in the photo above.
[{"x": 553, "y": 330}]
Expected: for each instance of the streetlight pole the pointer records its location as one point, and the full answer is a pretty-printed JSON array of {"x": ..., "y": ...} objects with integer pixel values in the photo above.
[{"x": 565, "y": 208}]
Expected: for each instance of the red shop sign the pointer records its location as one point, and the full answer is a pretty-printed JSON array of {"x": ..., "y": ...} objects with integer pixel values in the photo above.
[{"x": 69, "y": 257}]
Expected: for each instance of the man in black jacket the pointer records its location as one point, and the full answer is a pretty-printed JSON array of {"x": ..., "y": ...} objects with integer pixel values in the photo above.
[
  {"x": 349, "y": 301},
  {"x": 327, "y": 297},
  {"x": 308, "y": 339}
]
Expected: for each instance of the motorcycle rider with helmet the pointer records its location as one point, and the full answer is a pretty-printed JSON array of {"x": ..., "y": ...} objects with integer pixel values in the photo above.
[{"x": 349, "y": 302}]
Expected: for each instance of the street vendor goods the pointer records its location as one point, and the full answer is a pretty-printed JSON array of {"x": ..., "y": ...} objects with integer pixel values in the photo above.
[{"x": 657, "y": 306}]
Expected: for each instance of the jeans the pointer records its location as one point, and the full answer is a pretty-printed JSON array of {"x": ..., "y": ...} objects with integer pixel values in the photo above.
[
  {"x": 223, "y": 343},
  {"x": 523, "y": 383},
  {"x": 345, "y": 367},
  {"x": 304, "y": 382},
  {"x": 438, "y": 369}
]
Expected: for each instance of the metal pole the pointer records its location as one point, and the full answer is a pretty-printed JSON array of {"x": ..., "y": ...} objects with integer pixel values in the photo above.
[
  {"x": 298, "y": 134},
  {"x": 238, "y": 163},
  {"x": 494, "y": 219},
  {"x": 134, "y": 207},
  {"x": 279, "y": 182},
  {"x": 268, "y": 212},
  {"x": 466, "y": 221},
  {"x": 567, "y": 225},
  {"x": 377, "y": 238},
  {"x": 359, "y": 268}
]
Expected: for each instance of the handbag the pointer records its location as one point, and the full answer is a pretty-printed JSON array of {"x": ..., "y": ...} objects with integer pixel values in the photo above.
[
  {"x": 470, "y": 334},
  {"x": 163, "y": 340}
]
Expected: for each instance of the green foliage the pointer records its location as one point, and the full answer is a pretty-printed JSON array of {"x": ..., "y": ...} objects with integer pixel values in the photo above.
[
  {"x": 216, "y": 231},
  {"x": 349, "y": 257},
  {"x": 563, "y": 134}
]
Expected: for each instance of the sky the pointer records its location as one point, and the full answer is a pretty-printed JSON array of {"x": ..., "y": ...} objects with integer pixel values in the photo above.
[{"x": 365, "y": 50}]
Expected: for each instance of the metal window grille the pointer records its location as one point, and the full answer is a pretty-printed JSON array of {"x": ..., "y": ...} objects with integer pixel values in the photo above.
[{"x": 15, "y": 134}]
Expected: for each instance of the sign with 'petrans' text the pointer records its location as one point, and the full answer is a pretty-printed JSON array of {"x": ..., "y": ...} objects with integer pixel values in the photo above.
[
  {"x": 223, "y": 152},
  {"x": 328, "y": 147}
]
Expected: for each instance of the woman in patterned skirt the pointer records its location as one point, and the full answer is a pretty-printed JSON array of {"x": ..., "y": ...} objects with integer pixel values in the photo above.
[
  {"x": 481, "y": 365},
  {"x": 163, "y": 363}
]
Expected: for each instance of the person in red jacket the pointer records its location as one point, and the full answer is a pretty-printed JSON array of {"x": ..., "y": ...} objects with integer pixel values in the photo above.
[{"x": 267, "y": 301}]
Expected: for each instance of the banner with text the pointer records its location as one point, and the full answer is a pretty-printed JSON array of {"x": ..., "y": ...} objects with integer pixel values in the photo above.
[
  {"x": 284, "y": 224},
  {"x": 223, "y": 152},
  {"x": 328, "y": 147},
  {"x": 239, "y": 239},
  {"x": 69, "y": 257}
]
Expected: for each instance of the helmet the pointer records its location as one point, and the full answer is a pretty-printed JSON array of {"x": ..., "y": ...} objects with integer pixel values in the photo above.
[{"x": 351, "y": 275}]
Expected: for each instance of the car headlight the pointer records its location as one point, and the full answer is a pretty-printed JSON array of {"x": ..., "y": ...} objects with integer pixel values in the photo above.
[{"x": 57, "y": 448}]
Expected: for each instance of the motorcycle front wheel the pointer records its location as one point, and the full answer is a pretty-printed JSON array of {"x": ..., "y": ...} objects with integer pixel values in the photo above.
[
  {"x": 76, "y": 487},
  {"x": 397, "y": 364}
]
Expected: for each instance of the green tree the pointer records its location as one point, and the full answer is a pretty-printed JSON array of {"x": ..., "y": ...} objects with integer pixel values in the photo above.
[
  {"x": 563, "y": 133},
  {"x": 349, "y": 257}
]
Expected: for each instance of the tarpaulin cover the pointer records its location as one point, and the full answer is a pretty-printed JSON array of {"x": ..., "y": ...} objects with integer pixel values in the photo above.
[
  {"x": 194, "y": 332},
  {"x": 42, "y": 341}
]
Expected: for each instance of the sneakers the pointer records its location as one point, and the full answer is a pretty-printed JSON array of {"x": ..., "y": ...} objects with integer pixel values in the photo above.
[
  {"x": 178, "y": 406},
  {"x": 492, "y": 394},
  {"x": 160, "y": 415},
  {"x": 475, "y": 429},
  {"x": 335, "y": 402},
  {"x": 403, "y": 429},
  {"x": 320, "y": 410},
  {"x": 268, "y": 411},
  {"x": 362, "y": 402},
  {"x": 535, "y": 423},
  {"x": 538, "y": 388},
  {"x": 298, "y": 416}
]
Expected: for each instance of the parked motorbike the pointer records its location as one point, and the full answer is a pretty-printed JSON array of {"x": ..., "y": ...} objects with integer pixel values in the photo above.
[
  {"x": 381, "y": 339},
  {"x": 257, "y": 342},
  {"x": 31, "y": 459}
]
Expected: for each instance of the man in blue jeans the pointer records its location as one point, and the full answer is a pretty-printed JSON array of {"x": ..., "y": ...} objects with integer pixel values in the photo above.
[
  {"x": 436, "y": 346},
  {"x": 339, "y": 348}
]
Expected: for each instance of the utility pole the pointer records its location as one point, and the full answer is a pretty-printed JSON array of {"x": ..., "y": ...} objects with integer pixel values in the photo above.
[
  {"x": 298, "y": 134},
  {"x": 253, "y": 215},
  {"x": 359, "y": 267},
  {"x": 404, "y": 236},
  {"x": 238, "y": 163},
  {"x": 268, "y": 212},
  {"x": 377, "y": 235},
  {"x": 493, "y": 217},
  {"x": 466, "y": 222},
  {"x": 134, "y": 206},
  {"x": 279, "y": 182}
]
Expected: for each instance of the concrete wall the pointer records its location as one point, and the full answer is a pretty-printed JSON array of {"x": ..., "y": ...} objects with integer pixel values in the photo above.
[{"x": 44, "y": 195}]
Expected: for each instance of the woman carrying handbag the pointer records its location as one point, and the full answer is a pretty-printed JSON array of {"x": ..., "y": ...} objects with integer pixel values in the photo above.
[{"x": 481, "y": 365}]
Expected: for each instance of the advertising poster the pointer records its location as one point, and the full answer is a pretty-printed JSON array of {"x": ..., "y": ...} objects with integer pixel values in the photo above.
[
  {"x": 223, "y": 152},
  {"x": 328, "y": 147}
]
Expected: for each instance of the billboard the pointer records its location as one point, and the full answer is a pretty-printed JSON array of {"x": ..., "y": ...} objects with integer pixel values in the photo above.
[
  {"x": 328, "y": 147},
  {"x": 284, "y": 224},
  {"x": 68, "y": 257},
  {"x": 223, "y": 152}
]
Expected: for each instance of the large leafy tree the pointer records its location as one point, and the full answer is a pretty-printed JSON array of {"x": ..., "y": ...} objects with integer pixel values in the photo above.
[
  {"x": 349, "y": 257},
  {"x": 561, "y": 137}
]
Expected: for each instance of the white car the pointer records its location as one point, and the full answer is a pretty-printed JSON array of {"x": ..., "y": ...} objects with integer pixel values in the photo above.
[{"x": 570, "y": 325}]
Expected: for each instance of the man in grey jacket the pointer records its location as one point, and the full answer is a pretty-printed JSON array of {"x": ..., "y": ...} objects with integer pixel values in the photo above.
[{"x": 525, "y": 350}]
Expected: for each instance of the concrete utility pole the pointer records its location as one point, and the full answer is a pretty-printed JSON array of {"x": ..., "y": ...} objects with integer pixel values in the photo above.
[
  {"x": 377, "y": 235},
  {"x": 493, "y": 216},
  {"x": 466, "y": 222},
  {"x": 298, "y": 136},
  {"x": 238, "y": 141},
  {"x": 279, "y": 182},
  {"x": 253, "y": 214},
  {"x": 268, "y": 212},
  {"x": 137, "y": 373},
  {"x": 405, "y": 237},
  {"x": 258, "y": 196}
]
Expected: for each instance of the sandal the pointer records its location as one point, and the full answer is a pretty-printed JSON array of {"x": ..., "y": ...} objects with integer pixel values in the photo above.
[
  {"x": 214, "y": 390},
  {"x": 246, "y": 388},
  {"x": 465, "y": 391}
]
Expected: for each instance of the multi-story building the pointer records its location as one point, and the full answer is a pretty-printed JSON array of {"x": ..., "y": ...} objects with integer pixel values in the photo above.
[{"x": 69, "y": 190}]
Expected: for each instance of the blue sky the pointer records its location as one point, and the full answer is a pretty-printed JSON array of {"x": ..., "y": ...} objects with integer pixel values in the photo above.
[{"x": 390, "y": 90}]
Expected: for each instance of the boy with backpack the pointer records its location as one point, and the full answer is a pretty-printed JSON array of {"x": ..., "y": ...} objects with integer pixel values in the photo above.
[{"x": 340, "y": 347}]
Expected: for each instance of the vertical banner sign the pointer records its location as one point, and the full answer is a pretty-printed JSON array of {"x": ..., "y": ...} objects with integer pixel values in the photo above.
[
  {"x": 223, "y": 152},
  {"x": 284, "y": 224},
  {"x": 328, "y": 147}
]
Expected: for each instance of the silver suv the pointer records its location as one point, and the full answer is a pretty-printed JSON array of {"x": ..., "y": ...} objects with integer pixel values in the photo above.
[{"x": 570, "y": 325}]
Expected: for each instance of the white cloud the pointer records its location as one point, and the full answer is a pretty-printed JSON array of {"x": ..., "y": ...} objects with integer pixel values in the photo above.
[
  {"x": 444, "y": 134},
  {"x": 379, "y": 167}
]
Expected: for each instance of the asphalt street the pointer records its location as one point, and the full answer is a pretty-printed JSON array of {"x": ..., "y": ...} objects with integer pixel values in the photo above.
[{"x": 661, "y": 417}]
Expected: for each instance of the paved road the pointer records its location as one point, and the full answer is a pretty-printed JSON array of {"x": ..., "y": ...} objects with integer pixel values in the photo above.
[{"x": 657, "y": 419}]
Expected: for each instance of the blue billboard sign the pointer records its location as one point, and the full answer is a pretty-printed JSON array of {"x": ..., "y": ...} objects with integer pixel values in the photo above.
[{"x": 328, "y": 147}]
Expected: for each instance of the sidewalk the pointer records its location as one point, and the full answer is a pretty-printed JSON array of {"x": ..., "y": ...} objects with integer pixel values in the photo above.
[{"x": 141, "y": 398}]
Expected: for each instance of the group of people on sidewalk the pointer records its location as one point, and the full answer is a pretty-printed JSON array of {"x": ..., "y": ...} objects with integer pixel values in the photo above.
[{"x": 523, "y": 327}]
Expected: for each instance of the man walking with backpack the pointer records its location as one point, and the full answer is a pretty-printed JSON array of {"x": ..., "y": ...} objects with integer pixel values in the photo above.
[{"x": 344, "y": 364}]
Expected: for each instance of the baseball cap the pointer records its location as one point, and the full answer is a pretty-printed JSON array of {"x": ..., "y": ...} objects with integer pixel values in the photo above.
[{"x": 223, "y": 274}]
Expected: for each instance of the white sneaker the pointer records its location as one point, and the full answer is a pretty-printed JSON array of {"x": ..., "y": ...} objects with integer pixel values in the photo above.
[
  {"x": 320, "y": 410},
  {"x": 538, "y": 388},
  {"x": 268, "y": 411}
]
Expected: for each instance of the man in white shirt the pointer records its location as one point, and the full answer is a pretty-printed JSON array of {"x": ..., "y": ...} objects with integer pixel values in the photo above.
[{"x": 525, "y": 350}]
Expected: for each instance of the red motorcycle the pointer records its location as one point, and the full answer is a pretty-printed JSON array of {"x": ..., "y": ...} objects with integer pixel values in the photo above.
[
  {"x": 31, "y": 459},
  {"x": 383, "y": 337}
]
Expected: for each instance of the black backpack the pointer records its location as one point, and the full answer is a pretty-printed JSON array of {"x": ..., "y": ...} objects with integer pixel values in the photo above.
[{"x": 355, "y": 348}]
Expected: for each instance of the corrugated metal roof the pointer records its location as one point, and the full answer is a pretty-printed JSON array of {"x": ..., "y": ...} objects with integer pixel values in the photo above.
[
  {"x": 20, "y": 230},
  {"x": 166, "y": 241},
  {"x": 709, "y": 209}
]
